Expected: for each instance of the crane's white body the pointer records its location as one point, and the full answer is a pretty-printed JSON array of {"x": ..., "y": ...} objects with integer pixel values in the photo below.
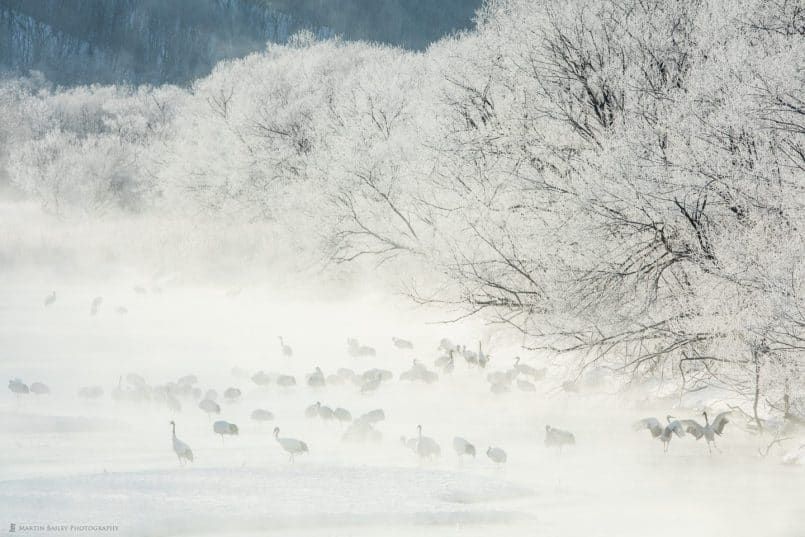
[
  {"x": 446, "y": 345},
  {"x": 287, "y": 351},
  {"x": 558, "y": 438},
  {"x": 286, "y": 381},
  {"x": 529, "y": 371},
  {"x": 173, "y": 404},
  {"x": 356, "y": 350},
  {"x": 342, "y": 415},
  {"x": 402, "y": 344},
  {"x": 261, "y": 378},
  {"x": 419, "y": 372},
  {"x": 369, "y": 385},
  {"x": 187, "y": 380},
  {"x": 90, "y": 392},
  {"x": 182, "y": 450},
  {"x": 469, "y": 356},
  {"x": 232, "y": 393},
  {"x": 374, "y": 416},
  {"x": 325, "y": 412},
  {"x": 96, "y": 304},
  {"x": 316, "y": 379},
  {"x": 362, "y": 431},
  {"x": 483, "y": 358},
  {"x": 525, "y": 386},
  {"x": 449, "y": 366},
  {"x": 292, "y": 446},
  {"x": 313, "y": 410},
  {"x": 443, "y": 360},
  {"x": 262, "y": 415},
  {"x": 18, "y": 387},
  {"x": 409, "y": 443},
  {"x": 138, "y": 381},
  {"x": 210, "y": 407},
  {"x": 462, "y": 447},
  {"x": 427, "y": 447},
  {"x": 39, "y": 388},
  {"x": 496, "y": 455},
  {"x": 225, "y": 428}
]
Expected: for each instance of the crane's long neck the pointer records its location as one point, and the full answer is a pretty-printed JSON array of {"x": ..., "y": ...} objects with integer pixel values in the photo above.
[
  {"x": 173, "y": 427},
  {"x": 419, "y": 429},
  {"x": 706, "y": 419}
]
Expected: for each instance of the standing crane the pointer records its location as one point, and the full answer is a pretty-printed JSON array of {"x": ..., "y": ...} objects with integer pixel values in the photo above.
[
  {"x": 181, "y": 449},
  {"x": 426, "y": 447},
  {"x": 286, "y": 349},
  {"x": 18, "y": 388},
  {"x": 496, "y": 455},
  {"x": 210, "y": 407},
  {"x": 224, "y": 427},
  {"x": 39, "y": 388},
  {"x": 291, "y": 445},
  {"x": 96, "y": 305},
  {"x": 558, "y": 438},
  {"x": 483, "y": 359},
  {"x": 261, "y": 414},
  {"x": 527, "y": 370},
  {"x": 462, "y": 446},
  {"x": 402, "y": 343}
]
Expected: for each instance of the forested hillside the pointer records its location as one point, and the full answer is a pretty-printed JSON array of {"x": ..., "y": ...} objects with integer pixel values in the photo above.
[{"x": 155, "y": 41}]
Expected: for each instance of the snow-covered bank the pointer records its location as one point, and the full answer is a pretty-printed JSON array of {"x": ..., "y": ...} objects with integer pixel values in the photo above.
[{"x": 179, "y": 500}]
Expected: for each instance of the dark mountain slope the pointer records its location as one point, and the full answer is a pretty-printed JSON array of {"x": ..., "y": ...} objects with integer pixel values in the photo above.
[{"x": 158, "y": 41}]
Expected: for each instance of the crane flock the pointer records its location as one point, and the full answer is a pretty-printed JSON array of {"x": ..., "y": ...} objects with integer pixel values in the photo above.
[{"x": 365, "y": 427}]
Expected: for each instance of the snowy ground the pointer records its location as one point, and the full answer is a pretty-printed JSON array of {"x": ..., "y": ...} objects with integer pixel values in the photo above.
[{"x": 68, "y": 461}]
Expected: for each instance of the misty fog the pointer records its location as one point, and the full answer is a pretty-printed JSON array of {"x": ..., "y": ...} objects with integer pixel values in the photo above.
[{"x": 539, "y": 273}]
